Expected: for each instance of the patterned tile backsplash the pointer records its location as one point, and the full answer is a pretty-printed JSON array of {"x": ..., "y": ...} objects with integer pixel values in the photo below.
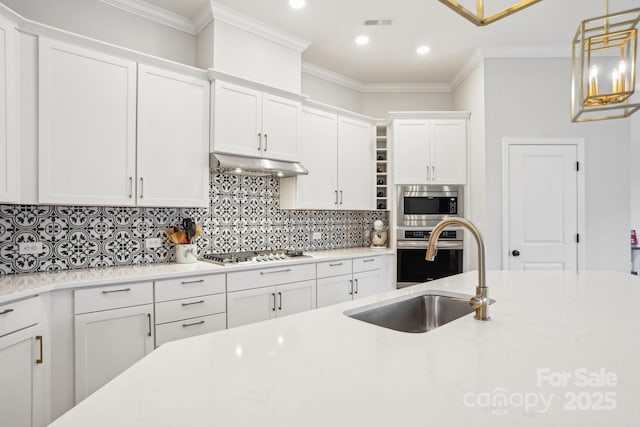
[{"x": 243, "y": 215}]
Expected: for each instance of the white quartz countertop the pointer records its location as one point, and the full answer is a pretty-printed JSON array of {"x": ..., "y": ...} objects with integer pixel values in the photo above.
[
  {"x": 322, "y": 368},
  {"x": 18, "y": 286}
]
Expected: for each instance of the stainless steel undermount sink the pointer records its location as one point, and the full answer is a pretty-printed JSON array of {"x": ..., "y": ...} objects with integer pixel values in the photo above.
[{"x": 415, "y": 313}]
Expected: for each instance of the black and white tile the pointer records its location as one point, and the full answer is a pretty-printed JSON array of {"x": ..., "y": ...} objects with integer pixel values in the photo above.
[{"x": 243, "y": 214}]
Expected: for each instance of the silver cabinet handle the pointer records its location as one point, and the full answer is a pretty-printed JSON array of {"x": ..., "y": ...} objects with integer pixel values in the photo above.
[
  {"x": 260, "y": 141},
  {"x": 193, "y": 281},
  {"x": 262, "y": 273},
  {"x": 433, "y": 173},
  {"x": 130, "y": 187},
  {"x": 149, "y": 318},
  {"x": 336, "y": 202},
  {"x": 117, "y": 290},
  {"x": 7, "y": 311},
  {"x": 428, "y": 173},
  {"x": 273, "y": 294},
  {"x": 141, "y": 187},
  {"x": 369, "y": 260},
  {"x": 266, "y": 142},
  {"x": 185, "y": 304},
  {"x": 186, "y": 325},
  {"x": 335, "y": 265},
  {"x": 41, "y": 359},
  {"x": 350, "y": 287},
  {"x": 280, "y": 305},
  {"x": 356, "y": 291},
  {"x": 340, "y": 196}
]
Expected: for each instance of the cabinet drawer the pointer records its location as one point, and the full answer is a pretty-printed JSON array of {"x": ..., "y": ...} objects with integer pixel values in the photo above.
[
  {"x": 171, "y": 311},
  {"x": 18, "y": 315},
  {"x": 188, "y": 287},
  {"x": 367, "y": 264},
  {"x": 189, "y": 328},
  {"x": 252, "y": 279},
  {"x": 334, "y": 268},
  {"x": 110, "y": 297}
]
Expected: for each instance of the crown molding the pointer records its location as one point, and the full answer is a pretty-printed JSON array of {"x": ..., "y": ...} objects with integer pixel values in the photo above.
[
  {"x": 406, "y": 88},
  {"x": 231, "y": 17},
  {"x": 154, "y": 13},
  {"x": 202, "y": 18},
  {"x": 331, "y": 76},
  {"x": 476, "y": 58},
  {"x": 527, "y": 52}
]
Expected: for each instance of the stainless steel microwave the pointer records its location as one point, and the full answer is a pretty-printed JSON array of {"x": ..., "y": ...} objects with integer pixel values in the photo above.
[{"x": 426, "y": 205}]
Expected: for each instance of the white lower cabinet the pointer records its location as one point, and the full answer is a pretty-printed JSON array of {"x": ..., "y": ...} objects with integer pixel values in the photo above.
[
  {"x": 255, "y": 305},
  {"x": 347, "y": 280},
  {"x": 108, "y": 341},
  {"x": 23, "y": 369}
]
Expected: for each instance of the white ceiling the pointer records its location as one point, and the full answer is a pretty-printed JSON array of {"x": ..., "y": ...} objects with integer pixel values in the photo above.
[{"x": 543, "y": 29}]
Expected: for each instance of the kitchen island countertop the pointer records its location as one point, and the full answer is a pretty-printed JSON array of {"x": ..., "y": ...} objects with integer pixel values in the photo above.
[{"x": 562, "y": 349}]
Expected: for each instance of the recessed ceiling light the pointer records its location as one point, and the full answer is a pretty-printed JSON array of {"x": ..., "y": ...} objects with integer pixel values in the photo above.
[
  {"x": 362, "y": 40},
  {"x": 297, "y": 4},
  {"x": 423, "y": 50}
]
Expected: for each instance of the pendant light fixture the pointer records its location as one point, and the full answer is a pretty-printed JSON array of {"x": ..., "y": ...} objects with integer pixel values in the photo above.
[
  {"x": 479, "y": 17},
  {"x": 603, "y": 66}
]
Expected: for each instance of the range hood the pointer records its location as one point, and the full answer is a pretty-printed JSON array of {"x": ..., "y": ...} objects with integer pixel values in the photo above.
[{"x": 255, "y": 166}]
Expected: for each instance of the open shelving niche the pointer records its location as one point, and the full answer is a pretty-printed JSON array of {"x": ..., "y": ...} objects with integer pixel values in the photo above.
[{"x": 382, "y": 156}]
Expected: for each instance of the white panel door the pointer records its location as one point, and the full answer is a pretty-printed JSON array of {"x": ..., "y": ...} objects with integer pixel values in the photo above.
[
  {"x": 173, "y": 139},
  {"x": 87, "y": 126},
  {"x": 334, "y": 290},
  {"x": 367, "y": 283},
  {"x": 9, "y": 157},
  {"x": 296, "y": 297},
  {"x": 410, "y": 151},
  {"x": 250, "y": 306},
  {"x": 543, "y": 207},
  {"x": 319, "y": 154},
  {"x": 448, "y": 152},
  {"x": 237, "y": 120},
  {"x": 280, "y": 127},
  {"x": 356, "y": 164},
  {"x": 108, "y": 342},
  {"x": 23, "y": 380}
]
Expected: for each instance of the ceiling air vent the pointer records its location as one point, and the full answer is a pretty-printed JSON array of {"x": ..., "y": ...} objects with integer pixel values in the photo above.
[{"x": 378, "y": 22}]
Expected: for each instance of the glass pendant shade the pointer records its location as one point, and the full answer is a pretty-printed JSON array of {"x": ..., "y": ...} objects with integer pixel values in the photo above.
[
  {"x": 603, "y": 67},
  {"x": 479, "y": 17}
]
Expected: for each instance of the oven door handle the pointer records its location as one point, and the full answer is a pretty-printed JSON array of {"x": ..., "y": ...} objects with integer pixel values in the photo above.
[{"x": 405, "y": 244}]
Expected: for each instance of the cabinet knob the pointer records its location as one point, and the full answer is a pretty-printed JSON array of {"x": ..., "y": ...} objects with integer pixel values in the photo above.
[{"x": 515, "y": 252}]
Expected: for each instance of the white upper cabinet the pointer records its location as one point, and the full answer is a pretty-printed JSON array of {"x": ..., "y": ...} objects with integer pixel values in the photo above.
[
  {"x": 430, "y": 151},
  {"x": 338, "y": 152},
  {"x": 356, "y": 164},
  {"x": 8, "y": 112},
  {"x": 87, "y": 126},
  {"x": 249, "y": 122},
  {"x": 92, "y": 106},
  {"x": 173, "y": 139}
]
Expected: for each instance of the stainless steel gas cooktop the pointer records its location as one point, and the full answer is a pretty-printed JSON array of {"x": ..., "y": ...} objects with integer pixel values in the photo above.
[{"x": 252, "y": 256}]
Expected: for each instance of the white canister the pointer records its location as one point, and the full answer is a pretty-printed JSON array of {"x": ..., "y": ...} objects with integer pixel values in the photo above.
[{"x": 186, "y": 253}]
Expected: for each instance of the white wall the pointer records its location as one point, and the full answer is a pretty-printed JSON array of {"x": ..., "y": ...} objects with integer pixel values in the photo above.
[
  {"x": 379, "y": 104},
  {"x": 470, "y": 96},
  {"x": 531, "y": 98},
  {"x": 98, "y": 20},
  {"x": 324, "y": 91},
  {"x": 634, "y": 160}
]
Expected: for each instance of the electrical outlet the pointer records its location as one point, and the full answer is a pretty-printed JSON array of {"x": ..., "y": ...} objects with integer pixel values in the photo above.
[
  {"x": 317, "y": 235},
  {"x": 30, "y": 248},
  {"x": 153, "y": 243}
]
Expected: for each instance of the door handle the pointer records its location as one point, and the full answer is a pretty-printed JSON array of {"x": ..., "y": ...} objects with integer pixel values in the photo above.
[
  {"x": 149, "y": 318},
  {"x": 280, "y": 306},
  {"x": 259, "y": 141},
  {"x": 515, "y": 252},
  {"x": 428, "y": 173},
  {"x": 356, "y": 291},
  {"x": 117, "y": 290},
  {"x": 41, "y": 359},
  {"x": 341, "y": 197},
  {"x": 336, "y": 203},
  {"x": 266, "y": 142},
  {"x": 350, "y": 287},
  {"x": 433, "y": 173},
  {"x": 273, "y": 294},
  {"x": 141, "y": 187},
  {"x": 130, "y": 187},
  {"x": 262, "y": 273},
  {"x": 186, "y": 304},
  {"x": 186, "y": 325}
]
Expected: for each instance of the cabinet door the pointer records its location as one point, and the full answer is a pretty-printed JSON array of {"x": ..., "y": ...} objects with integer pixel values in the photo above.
[
  {"x": 108, "y": 342},
  {"x": 23, "y": 393},
  {"x": 173, "y": 139},
  {"x": 8, "y": 113},
  {"x": 410, "y": 151},
  {"x": 253, "y": 305},
  {"x": 356, "y": 164},
  {"x": 280, "y": 127},
  {"x": 319, "y": 154},
  {"x": 87, "y": 126},
  {"x": 334, "y": 290},
  {"x": 449, "y": 151},
  {"x": 367, "y": 283},
  {"x": 296, "y": 297},
  {"x": 237, "y": 120}
]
